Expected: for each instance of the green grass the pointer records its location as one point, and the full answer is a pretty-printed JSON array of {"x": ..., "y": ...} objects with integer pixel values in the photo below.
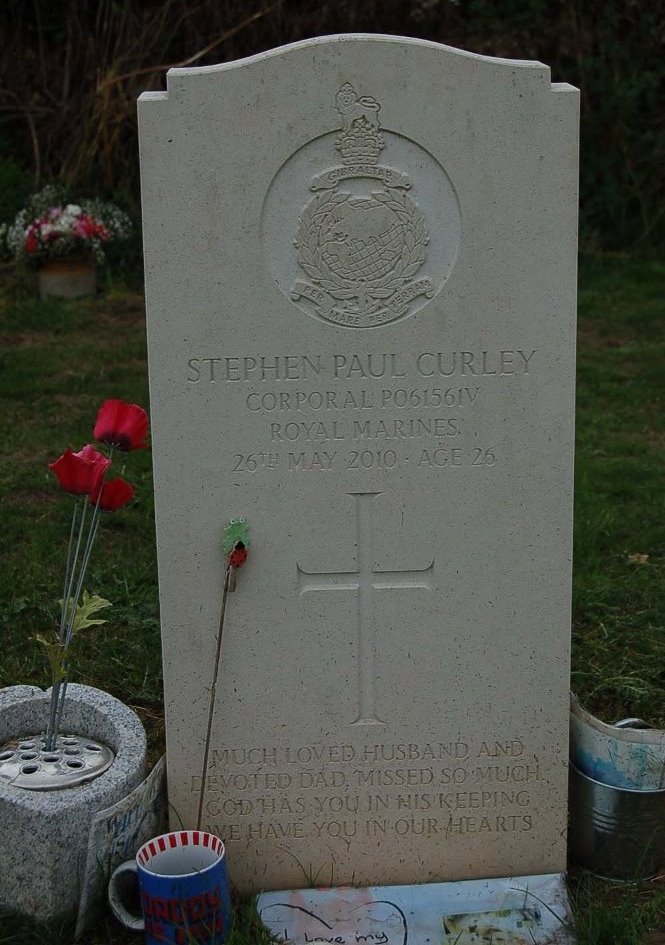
[
  {"x": 619, "y": 564},
  {"x": 58, "y": 361},
  {"x": 247, "y": 930},
  {"x": 617, "y": 914}
]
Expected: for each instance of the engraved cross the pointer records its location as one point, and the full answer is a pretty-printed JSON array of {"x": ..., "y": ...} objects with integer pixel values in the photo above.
[{"x": 365, "y": 579}]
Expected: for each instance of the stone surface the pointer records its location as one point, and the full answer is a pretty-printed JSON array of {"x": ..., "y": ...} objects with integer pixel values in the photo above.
[
  {"x": 360, "y": 269},
  {"x": 116, "y": 835},
  {"x": 45, "y": 833}
]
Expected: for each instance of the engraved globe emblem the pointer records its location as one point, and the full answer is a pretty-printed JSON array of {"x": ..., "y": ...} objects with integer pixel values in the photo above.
[
  {"x": 361, "y": 252},
  {"x": 364, "y": 240}
]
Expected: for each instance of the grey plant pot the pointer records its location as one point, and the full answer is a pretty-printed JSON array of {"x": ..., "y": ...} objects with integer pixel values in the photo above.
[
  {"x": 44, "y": 834},
  {"x": 67, "y": 279}
]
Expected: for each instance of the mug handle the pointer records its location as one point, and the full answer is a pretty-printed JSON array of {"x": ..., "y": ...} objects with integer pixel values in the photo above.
[{"x": 122, "y": 914}]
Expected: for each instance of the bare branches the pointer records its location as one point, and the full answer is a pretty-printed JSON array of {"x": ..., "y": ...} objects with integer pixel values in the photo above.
[{"x": 71, "y": 73}]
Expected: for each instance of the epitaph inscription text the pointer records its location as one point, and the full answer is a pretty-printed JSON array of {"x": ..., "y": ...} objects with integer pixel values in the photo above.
[{"x": 376, "y": 789}]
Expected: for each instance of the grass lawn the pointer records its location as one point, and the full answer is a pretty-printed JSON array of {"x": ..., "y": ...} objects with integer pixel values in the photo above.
[{"x": 61, "y": 360}]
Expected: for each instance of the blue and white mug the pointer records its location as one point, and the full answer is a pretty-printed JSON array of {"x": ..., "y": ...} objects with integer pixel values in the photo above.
[{"x": 183, "y": 890}]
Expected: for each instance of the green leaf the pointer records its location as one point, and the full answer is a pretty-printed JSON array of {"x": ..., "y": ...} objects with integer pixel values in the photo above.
[
  {"x": 90, "y": 604},
  {"x": 235, "y": 531},
  {"x": 56, "y": 656}
]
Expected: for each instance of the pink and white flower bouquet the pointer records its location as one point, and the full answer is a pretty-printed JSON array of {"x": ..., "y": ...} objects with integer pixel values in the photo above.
[{"x": 49, "y": 228}]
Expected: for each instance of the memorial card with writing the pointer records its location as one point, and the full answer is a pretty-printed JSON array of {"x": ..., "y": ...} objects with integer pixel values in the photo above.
[{"x": 360, "y": 272}]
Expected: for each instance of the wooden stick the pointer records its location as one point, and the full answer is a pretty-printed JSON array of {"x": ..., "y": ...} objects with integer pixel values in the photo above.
[{"x": 229, "y": 576}]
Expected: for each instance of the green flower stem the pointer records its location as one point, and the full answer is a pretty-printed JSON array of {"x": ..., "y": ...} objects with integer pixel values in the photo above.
[
  {"x": 225, "y": 593},
  {"x": 50, "y": 736},
  {"x": 73, "y": 582},
  {"x": 70, "y": 571},
  {"x": 62, "y": 692},
  {"x": 60, "y": 688},
  {"x": 65, "y": 618},
  {"x": 68, "y": 566},
  {"x": 94, "y": 525}
]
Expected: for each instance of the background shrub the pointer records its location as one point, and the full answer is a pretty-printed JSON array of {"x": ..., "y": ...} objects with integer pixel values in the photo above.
[
  {"x": 72, "y": 71},
  {"x": 15, "y": 184}
]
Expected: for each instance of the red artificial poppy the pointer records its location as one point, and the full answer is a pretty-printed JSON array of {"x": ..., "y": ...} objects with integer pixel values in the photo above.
[
  {"x": 112, "y": 495},
  {"x": 80, "y": 473},
  {"x": 121, "y": 425},
  {"x": 238, "y": 555}
]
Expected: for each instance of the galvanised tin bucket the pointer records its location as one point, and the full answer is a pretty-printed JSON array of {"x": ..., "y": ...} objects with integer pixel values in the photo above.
[
  {"x": 616, "y": 833},
  {"x": 617, "y": 796}
]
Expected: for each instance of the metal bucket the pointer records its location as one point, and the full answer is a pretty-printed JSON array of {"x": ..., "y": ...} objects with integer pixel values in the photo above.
[
  {"x": 617, "y": 796},
  {"x": 616, "y": 833}
]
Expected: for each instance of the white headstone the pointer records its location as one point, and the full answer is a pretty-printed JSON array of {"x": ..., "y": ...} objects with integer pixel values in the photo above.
[{"x": 360, "y": 267}]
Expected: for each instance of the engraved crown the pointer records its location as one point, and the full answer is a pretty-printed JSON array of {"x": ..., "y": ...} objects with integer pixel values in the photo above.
[
  {"x": 361, "y": 145},
  {"x": 361, "y": 141}
]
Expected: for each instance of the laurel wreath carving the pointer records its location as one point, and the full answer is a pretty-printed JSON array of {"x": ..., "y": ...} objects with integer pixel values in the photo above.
[{"x": 310, "y": 256}]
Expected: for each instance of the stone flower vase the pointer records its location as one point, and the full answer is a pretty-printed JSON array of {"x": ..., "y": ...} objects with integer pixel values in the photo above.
[
  {"x": 44, "y": 835},
  {"x": 67, "y": 278}
]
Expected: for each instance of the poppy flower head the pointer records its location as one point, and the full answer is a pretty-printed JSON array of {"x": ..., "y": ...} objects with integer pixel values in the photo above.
[
  {"x": 92, "y": 455},
  {"x": 112, "y": 495},
  {"x": 123, "y": 426},
  {"x": 238, "y": 554},
  {"x": 80, "y": 473}
]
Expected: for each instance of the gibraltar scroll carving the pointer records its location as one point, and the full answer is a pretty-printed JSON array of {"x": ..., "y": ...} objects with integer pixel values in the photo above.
[{"x": 361, "y": 247}]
